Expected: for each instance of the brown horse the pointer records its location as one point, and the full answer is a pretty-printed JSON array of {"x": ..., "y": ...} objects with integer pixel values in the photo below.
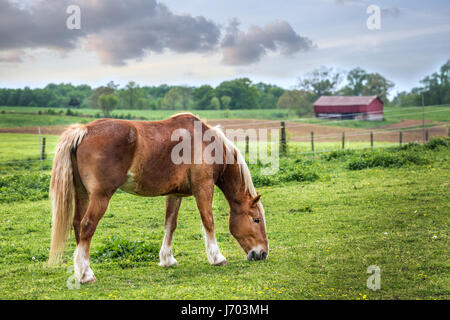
[{"x": 92, "y": 161}]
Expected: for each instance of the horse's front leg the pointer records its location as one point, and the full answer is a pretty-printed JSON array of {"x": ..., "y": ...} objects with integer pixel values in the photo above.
[
  {"x": 166, "y": 258},
  {"x": 97, "y": 207},
  {"x": 204, "y": 196}
]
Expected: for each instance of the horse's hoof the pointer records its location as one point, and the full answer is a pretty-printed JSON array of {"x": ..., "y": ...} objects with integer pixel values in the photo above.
[
  {"x": 171, "y": 263},
  {"x": 88, "y": 280},
  {"x": 168, "y": 265},
  {"x": 221, "y": 263}
]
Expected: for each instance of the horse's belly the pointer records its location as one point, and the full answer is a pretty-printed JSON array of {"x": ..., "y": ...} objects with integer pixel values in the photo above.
[{"x": 131, "y": 185}]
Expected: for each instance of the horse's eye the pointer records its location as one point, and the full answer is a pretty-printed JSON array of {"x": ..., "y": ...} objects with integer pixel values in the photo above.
[{"x": 256, "y": 220}]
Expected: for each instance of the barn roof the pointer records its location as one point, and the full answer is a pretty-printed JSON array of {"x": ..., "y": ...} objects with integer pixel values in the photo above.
[{"x": 344, "y": 100}]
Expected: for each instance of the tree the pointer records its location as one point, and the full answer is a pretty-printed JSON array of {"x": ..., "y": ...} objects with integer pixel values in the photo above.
[
  {"x": 171, "y": 99},
  {"x": 377, "y": 85},
  {"x": 300, "y": 101},
  {"x": 436, "y": 87},
  {"x": 131, "y": 95},
  {"x": 407, "y": 99},
  {"x": 242, "y": 94},
  {"x": 93, "y": 100},
  {"x": 202, "y": 97},
  {"x": 225, "y": 102},
  {"x": 321, "y": 81},
  {"x": 356, "y": 79},
  {"x": 268, "y": 95},
  {"x": 107, "y": 103},
  {"x": 184, "y": 93},
  {"x": 74, "y": 102}
]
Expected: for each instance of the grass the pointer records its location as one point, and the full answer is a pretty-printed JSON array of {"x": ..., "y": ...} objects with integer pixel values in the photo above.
[
  {"x": 323, "y": 232},
  {"x": 34, "y": 120},
  {"x": 19, "y": 146},
  {"x": 391, "y": 115},
  {"x": 162, "y": 114}
]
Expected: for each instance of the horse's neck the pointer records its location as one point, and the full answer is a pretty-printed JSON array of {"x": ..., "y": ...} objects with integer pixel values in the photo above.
[{"x": 232, "y": 185}]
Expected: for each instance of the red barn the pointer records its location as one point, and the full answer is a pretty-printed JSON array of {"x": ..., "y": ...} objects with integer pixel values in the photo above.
[{"x": 349, "y": 107}]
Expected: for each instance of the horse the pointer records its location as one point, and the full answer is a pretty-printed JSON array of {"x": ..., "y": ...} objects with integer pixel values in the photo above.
[{"x": 92, "y": 161}]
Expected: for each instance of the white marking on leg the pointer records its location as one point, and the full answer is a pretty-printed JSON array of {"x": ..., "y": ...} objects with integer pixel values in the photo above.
[
  {"x": 212, "y": 250},
  {"x": 83, "y": 273},
  {"x": 166, "y": 258}
]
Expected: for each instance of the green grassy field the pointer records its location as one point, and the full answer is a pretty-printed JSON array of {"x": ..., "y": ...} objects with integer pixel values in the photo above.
[
  {"x": 163, "y": 114},
  {"x": 391, "y": 114},
  {"x": 329, "y": 217},
  {"x": 19, "y": 146},
  {"x": 30, "y": 120}
]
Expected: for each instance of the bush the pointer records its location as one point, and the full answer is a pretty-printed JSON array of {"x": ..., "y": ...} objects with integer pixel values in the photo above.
[
  {"x": 299, "y": 170},
  {"x": 264, "y": 180},
  {"x": 435, "y": 143},
  {"x": 338, "y": 154},
  {"x": 120, "y": 249},
  {"x": 388, "y": 159},
  {"x": 299, "y": 176}
]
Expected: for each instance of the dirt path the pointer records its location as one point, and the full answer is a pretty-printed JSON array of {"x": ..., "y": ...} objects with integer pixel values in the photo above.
[{"x": 301, "y": 132}]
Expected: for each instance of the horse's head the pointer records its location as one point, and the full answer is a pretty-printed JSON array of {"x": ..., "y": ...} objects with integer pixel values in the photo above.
[{"x": 248, "y": 226}]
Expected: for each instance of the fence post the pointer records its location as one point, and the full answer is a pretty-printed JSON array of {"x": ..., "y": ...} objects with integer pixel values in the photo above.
[
  {"x": 312, "y": 141},
  {"x": 426, "y": 135},
  {"x": 42, "y": 154},
  {"x": 283, "y": 137},
  {"x": 400, "y": 138},
  {"x": 343, "y": 140},
  {"x": 246, "y": 145},
  {"x": 371, "y": 139}
]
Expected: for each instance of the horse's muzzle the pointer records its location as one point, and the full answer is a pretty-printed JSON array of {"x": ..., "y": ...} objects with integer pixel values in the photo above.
[{"x": 254, "y": 255}]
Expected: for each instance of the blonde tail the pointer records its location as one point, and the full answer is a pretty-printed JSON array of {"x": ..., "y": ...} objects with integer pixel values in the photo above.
[{"x": 62, "y": 190}]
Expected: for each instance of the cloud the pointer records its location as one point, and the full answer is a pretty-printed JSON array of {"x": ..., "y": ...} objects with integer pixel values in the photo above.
[
  {"x": 240, "y": 48},
  {"x": 155, "y": 32},
  {"x": 12, "y": 56},
  {"x": 119, "y": 31}
]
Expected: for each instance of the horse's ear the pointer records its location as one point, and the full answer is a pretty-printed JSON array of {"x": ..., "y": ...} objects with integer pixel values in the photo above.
[{"x": 255, "y": 200}]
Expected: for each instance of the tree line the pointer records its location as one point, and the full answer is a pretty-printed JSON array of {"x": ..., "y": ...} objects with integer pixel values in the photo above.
[{"x": 239, "y": 93}]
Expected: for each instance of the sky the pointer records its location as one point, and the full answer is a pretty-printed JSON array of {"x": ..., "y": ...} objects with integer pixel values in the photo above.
[{"x": 195, "y": 42}]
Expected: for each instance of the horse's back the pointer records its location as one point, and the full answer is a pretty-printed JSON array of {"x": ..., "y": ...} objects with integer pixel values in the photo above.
[{"x": 134, "y": 156}]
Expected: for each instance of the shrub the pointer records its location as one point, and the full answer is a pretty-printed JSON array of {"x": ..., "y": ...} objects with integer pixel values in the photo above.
[
  {"x": 435, "y": 143},
  {"x": 300, "y": 176},
  {"x": 388, "y": 159},
  {"x": 120, "y": 249},
  {"x": 337, "y": 154},
  {"x": 263, "y": 180}
]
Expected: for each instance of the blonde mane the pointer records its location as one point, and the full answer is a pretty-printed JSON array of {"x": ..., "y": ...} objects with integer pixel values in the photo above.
[{"x": 245, "y": 172}]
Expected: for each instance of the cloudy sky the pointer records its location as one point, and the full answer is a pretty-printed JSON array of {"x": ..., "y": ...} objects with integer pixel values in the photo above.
[{"x": 203, "y": 41}]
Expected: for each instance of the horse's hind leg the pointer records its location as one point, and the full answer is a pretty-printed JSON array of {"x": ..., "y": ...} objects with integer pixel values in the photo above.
[
  {"x": 204, "y": 196},
  {"x": 96, "y": 209},
  {"x": 81, "y": 205},
  {"x": 166, "y": 258}
]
